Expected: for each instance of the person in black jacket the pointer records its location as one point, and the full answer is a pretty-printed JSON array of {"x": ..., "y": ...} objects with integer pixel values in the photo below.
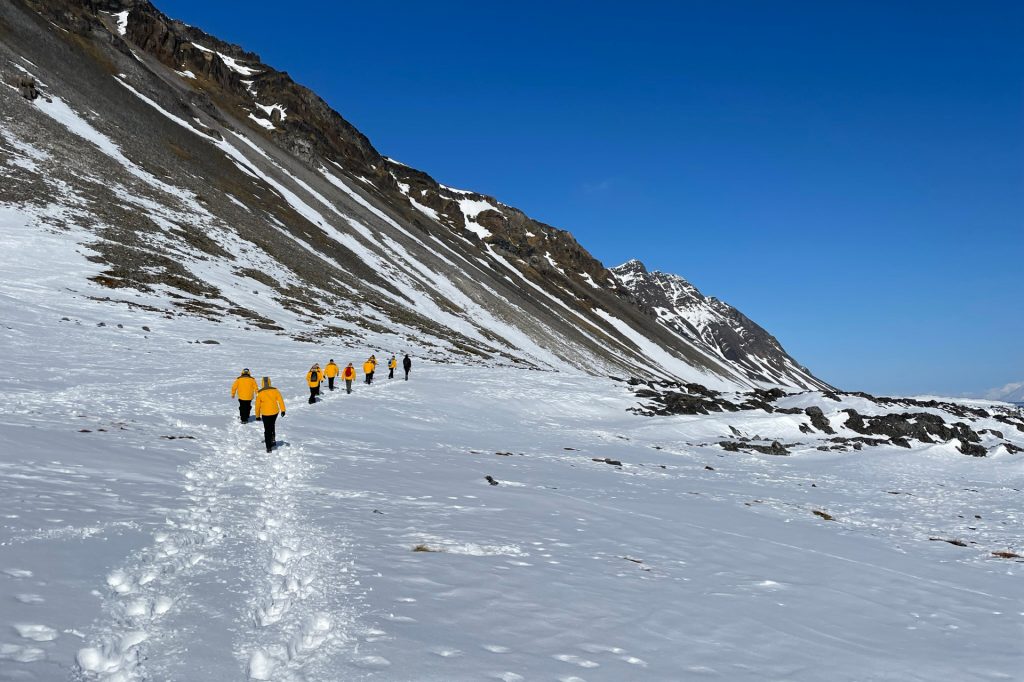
[{"x": 407, "y": 365}]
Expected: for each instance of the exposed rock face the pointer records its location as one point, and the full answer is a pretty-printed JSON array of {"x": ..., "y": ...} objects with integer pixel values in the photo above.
[
  {"x": 922, "y": 426},
  {"x": 818, "y": 419},
  {"x": 967, "y": 427},
  {"x": 225, "y": 165},
  {"x": 724, "y": 331}
]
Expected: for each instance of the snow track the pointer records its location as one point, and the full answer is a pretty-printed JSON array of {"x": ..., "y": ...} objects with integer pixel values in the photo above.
[
  {"x": 297, "y": 608},
  {"x": 242, "y": 512}
]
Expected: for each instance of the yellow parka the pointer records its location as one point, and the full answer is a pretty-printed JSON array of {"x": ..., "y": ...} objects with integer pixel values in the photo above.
[
  {"x": 367, "y": 367},
  {"x": 245, "y": 387},
  {"x": 349, "y": 373},
  {"x": 331, "y": 370},
  {"x": 392, "y": 363},
  {"x": 314, "y": 377},
  {"x": 269, "y": 402}
]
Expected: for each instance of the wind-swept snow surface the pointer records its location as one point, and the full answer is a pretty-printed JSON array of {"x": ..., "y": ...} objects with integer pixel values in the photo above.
[{"x": 146, "y": 535}]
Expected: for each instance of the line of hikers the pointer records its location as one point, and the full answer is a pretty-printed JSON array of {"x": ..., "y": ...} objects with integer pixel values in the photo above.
[{"x": 270, "y": 403}]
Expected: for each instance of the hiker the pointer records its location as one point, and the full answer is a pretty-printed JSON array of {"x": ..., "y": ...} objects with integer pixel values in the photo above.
[
  {"x": 368, "y": 368},
  {"x": 392, "y": 364},
  {"x": 313, "y": 377},
  {"x": 349, "y": 375},
  {"x": 407, "y": 365},
  {"x": 245, "y": 388},
  {"x": 268, "y": 404},
  {"x": 330, "y": 371}
]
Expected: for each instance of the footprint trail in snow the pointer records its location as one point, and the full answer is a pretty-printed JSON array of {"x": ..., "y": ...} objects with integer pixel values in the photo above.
[{"x": 242, "y": 514}]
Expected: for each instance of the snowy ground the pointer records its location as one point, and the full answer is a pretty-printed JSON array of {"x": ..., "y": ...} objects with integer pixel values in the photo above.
[{"x": 144, "y": 534}]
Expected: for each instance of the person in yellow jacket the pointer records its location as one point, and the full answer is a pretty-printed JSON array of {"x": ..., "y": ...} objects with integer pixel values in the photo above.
[
  {"x": 313, "y": 378},
  {"x": 392, "y": 364},
  {"x": 330, "y": 371},
  {"x": 349, "y": 375},
  {"x": 269, "y": 404},
  {"x": 245, "y": 388},
  {"x": 368, "y": 368}
]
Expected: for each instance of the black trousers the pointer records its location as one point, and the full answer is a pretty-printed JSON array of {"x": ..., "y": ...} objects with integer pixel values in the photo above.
[
  {"x": 391, "y": 372},
  {"x": 330, "y": 383},
  {"x": 244, "y": 409},
  {"x": 348, "y": 385},
  {"x": 407, "y": 374},
  {"x": 369, "y": 377},
  {"x": 269, "y": 432},
  {"x": 314, "y": 391}
]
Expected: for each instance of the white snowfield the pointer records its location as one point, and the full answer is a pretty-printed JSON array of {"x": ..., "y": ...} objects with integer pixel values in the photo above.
[{"x": 146, "y": 535}]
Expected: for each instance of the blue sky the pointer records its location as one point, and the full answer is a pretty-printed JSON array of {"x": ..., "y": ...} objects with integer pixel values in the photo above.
[{"x": 849, "y": 175}]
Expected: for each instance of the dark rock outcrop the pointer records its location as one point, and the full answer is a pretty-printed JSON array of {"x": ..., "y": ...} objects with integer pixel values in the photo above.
[{"x": 818, "y": 419}]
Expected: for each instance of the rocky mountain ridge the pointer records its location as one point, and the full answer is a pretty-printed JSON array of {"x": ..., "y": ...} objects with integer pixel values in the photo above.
[
  {"x": 735, "y": 338},
  {"x": 211, "y": 184}
]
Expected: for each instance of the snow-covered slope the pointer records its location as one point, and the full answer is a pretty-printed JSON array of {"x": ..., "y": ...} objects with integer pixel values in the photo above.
[
  {"x": 146, "y": 535},
  {"x": 1011, "y": 393},
  {"x": 729, "y": 335},
  {"x": 210, "y": 184}
]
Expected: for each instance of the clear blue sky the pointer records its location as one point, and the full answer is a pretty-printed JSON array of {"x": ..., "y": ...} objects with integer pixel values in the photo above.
[{"x": 848, "y": 174}]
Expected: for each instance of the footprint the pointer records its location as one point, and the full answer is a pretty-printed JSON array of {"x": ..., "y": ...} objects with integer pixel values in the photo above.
[
  {"x": 17, "y": 573},
  {"x": 315, "y": 631},
  {"x": 601, "y": 649},
  {"x": 375, "y": 635},
  {"x": 21, "y": 654},
  {"x": 507, "y": 677},
  {"x": 37, "y": 633},
  {"x": 576, "y": 660},
  {"x": 372, "y": 662},
  {"x": 261, "y": 665},
  {"x": 120, "y": 582},
  {"x": 444, "y": 652},
  {"x": 29, "y": 598},
  {"x": 497, "y": 648},
  {"x": 400, "y": 619}
]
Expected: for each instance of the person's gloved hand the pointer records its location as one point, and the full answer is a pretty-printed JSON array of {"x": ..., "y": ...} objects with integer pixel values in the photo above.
[{"x": 282, "y": 415}]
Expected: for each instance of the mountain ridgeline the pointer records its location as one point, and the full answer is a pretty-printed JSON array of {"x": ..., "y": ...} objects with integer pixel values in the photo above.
[{"x": 198, "y": 180}]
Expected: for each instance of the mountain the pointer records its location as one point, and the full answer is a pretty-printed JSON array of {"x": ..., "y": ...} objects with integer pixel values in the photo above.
[
  {"x": 209, "y": 184},
  {"x": 708, "y": 322},
  {"x": 1011, "y": 393}
]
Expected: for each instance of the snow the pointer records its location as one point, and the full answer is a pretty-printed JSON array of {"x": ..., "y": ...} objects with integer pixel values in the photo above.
[
  {"x": 59, "y": 111},
  {"x": 122, "y": 22},
  {"x": 471, "y": 208},
  {"x": 453, "y": 190},
  {"x": 230, "y": 62},
  {"x": 144, "y": 534},
  {"x": 202, "y": 557},
  {"x": 25, "y": 155},
  {"x": 662, "y": 358},
  {"x": 269, "y": 109},
  {"x": 552, "y": 262},
  {"x": 262, "y": 122},
  {"x": 186, "y": 74},
  {"x": 177, "y": 119},
  {"x": 425, "y": 210}
]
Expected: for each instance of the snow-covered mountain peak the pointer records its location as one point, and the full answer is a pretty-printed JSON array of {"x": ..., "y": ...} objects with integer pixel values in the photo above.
[{"x": 725, "y": 331}]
